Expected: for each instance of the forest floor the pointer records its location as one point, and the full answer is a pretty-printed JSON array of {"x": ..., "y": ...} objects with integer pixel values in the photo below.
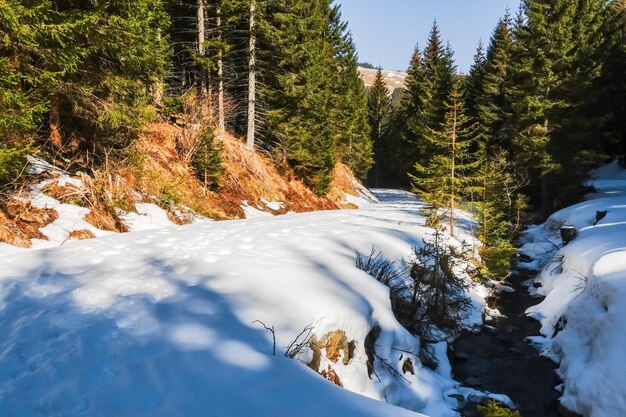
[{"x": 500, "y": 358}]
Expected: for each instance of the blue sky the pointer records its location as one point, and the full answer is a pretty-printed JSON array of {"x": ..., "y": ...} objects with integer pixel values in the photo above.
[{"x": 386, "y": 31}]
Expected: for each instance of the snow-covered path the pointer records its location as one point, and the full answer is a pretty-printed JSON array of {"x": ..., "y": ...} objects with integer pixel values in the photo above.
[{"x": 160, "y": 322}]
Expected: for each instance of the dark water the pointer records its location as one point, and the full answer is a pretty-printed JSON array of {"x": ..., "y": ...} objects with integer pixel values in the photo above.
[{"x": 504, "y": 362}]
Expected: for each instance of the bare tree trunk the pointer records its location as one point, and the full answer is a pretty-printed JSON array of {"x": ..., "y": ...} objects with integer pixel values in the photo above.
[
  {"x": 251, "y": 78},
  {"x": 546, "y": 203},
  {"x": 220, "y": 74},
  {"x": 158, "y": 87},
  {"x": 201, "y": 51}
]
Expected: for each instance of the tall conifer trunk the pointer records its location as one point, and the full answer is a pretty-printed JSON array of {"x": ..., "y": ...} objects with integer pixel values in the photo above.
[
  {"x": 202, "y": 80},
  {"x": 220, "y": 74},
  {"x": 251, "y": 78},
  {"x": 453, "y": 170}
]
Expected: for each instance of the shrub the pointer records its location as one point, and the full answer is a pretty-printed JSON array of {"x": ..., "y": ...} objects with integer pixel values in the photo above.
[
  {"x": 207, "y": 159},
  {"x": 430, "y": 298},
  {"x": 439, "y": 293},
  {"x": 493, "y": 409},
  {"x": 384, "y": 270}
]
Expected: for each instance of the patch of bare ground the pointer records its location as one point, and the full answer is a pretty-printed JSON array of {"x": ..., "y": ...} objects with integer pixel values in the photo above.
[
  {"x": 157, "y": 169},
  {"x": 20, "y": 221}
]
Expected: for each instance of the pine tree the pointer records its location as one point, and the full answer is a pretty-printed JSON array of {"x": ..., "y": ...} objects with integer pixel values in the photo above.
[
  {"x": 553, "y": 72},
  {"x": 298, "y": 90},
  {"x": 379, "y": 106},
  {"x": 439, "y": 77},
  {"x": 443, "y": 182},
  {"x": 498, "y": 205},
  {"x": 39, "y": 46},
  {"x": 19, "y": 110},
  {"x": 474, "y": 82},
  {"x": 408, "y": 124},
  {"x": 609, "y": 105},
  {"x": 349, "y": 112},
  {"x": 207, "y": 160},
  {"x": 495, "y": 104}
]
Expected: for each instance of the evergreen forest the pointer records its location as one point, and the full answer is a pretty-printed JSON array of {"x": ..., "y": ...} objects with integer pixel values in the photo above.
[
  {"x": 540, "y": 107},
  {"x": 542, "y": 104}
]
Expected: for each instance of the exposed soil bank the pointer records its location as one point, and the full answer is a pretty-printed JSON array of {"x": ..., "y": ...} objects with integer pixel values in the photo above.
[{"x": 500, "y": 360}]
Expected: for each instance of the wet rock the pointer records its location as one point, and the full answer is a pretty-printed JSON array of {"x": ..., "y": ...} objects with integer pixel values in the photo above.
[
  {"x": 537, "y": 284},
  {"x": 460, "y": 398},
  {"x": 461, "y": 356},
  {"x": 407, "y": 367},
  {"x": 568, "y": 233}
]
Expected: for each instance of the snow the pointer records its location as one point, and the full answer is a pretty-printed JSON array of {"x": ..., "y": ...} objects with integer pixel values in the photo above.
[
  {"x": 71, "y": 217},
  {"x": 253, "y": 212},
  {"x": 585, "y": 288},
  {"x": 161, "y": 321},
  {"x": 147, "y": 217},
  {"x": 273, "y": 205}
]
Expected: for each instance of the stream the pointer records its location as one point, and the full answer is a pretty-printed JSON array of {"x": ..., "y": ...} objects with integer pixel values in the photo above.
[{"x": 499, "y": 359}]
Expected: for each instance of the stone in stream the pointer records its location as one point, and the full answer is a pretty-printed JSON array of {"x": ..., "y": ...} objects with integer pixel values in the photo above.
[
  {"x": 461, "y": 356},
  {"x": 460, "y": 398},
  {"x": 568, "y": 233}
]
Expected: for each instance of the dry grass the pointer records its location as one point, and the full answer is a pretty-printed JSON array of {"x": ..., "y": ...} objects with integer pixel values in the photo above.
[
  {"x": 101, "y": 194},
  {"x": 156, "y": 169},
  {"x": 344, "y": 182},
  {"x": 81, "y": 234},
  {"x": 20, "y": 221},
  {"x": 161, "y": 173}
]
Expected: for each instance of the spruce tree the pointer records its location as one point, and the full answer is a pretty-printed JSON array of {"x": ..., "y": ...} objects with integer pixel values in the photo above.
[
  {"x": 438, "y": 84},
  {"x": 379, "y": 112},
  {"x": 495, "y": 103},
  {"x": 408, "y": 124},
  {"x": 445, "y": 179},
  {"x": 609, "y": 105},
  {"x": 474, "y": 82},
  {"x": 553, "y": 72},
  {"x": 104, "y": 98},
  {"x": 498, "y": 206},
  {"x": 298, "y": 90},
  {"x": 349, "y": 111}
]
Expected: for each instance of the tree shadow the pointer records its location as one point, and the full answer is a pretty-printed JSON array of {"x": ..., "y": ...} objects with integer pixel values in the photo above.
[{"x": 186, "y": 353}]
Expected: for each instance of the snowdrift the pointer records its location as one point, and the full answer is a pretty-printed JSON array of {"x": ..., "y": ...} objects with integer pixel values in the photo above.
[
  {"x": 584, "y": 313},
  {"x": 165, "y": 322}
]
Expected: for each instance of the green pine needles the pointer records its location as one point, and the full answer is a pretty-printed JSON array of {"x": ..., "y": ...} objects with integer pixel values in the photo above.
[
  {"x": 12, "y": 163},
  {"x": 207, "y": 159},
  {"x": 445, "y": 178}
]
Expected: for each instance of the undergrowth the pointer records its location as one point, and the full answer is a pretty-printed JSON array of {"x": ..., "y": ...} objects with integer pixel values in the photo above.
[
  {"x": 430, "y": 297},
  {"x": 12, "y": 163},
  {"x": 493, "y": 409}
]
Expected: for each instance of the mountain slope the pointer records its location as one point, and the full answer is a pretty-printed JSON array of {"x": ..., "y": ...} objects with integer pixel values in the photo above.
[{"x": 393, "y": 79}]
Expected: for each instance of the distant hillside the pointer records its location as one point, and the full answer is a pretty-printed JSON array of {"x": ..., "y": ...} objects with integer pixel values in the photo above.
[{"x": 393, "y": 79}]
